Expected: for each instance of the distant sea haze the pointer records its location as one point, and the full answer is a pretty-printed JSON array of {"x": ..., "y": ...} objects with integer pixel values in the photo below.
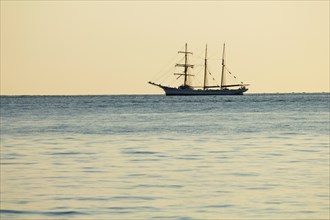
[{"x": 254, "y": 156}]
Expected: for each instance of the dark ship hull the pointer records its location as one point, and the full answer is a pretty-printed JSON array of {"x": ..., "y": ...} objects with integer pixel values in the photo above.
[{"x": 171, "y": 91}]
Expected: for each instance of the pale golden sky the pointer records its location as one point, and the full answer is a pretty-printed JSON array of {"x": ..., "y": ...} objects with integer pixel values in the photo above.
[{"x": 116, "y": 47}]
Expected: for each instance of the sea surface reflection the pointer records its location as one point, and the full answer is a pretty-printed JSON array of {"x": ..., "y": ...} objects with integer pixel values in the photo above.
[{"x": 140, "y": 157}]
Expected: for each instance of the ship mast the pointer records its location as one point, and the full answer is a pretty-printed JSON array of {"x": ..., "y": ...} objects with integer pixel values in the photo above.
[
  {"x": 223, "y": 66},
  {"x": 205, "y": 68},
  {"x": 185, "y": 65}
]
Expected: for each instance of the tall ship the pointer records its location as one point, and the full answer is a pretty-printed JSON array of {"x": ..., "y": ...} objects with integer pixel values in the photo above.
[{"x": 186, "y": 88}]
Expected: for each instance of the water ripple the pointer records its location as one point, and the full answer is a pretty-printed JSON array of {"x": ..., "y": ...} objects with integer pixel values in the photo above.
[
  {"x": 135, "y": 198},
  {"x": 140, "y": 152},
  {"x": 51, "y": 213}
]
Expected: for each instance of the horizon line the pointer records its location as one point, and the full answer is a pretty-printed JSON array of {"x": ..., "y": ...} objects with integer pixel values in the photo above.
[{"x": 141, "y": 94}]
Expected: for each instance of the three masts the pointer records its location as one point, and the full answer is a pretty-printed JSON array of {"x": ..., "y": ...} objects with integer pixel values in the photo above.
[{"x": 187, "y": 89}]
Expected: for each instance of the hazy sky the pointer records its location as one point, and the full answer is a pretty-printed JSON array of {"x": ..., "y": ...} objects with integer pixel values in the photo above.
[{"x": 116, "y": 47}]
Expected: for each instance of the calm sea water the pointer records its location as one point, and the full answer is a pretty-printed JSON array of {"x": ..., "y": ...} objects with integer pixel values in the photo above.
[{"x": 142, "y": 157}]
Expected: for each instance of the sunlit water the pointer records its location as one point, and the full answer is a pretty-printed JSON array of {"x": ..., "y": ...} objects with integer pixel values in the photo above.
[{"x": 141, "y": 157}]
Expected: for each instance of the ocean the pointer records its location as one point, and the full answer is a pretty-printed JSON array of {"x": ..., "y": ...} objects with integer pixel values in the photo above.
[{"x": 256, "y": 156}]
